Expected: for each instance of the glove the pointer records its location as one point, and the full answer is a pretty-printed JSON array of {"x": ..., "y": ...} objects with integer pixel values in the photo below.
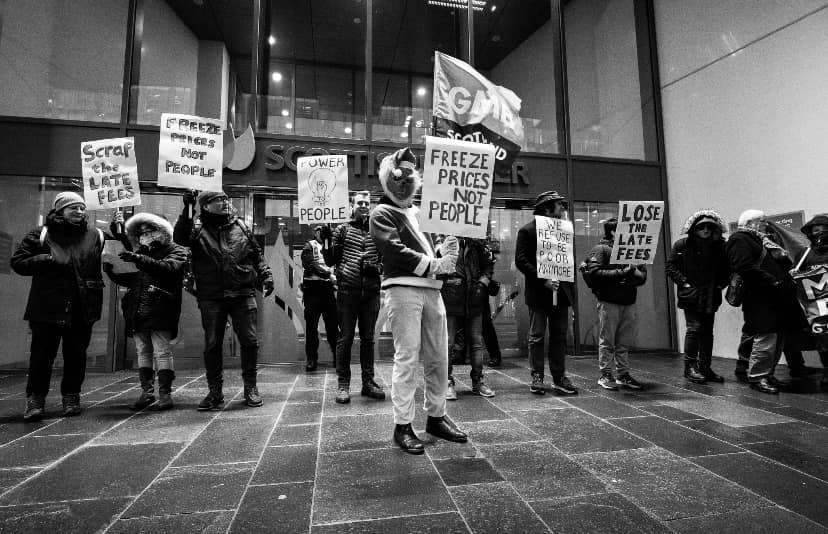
[
  {"x": 551, "y": 284},
  {"x": 190, "y": 197},
  {"x": 444, "y": 265},
  {"x": 449, "y": 247},
  {"x": 131, "y": 256},
  {"x": 268, "y": 287}
]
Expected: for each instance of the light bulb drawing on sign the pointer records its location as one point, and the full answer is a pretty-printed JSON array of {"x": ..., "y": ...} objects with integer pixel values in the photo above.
[{"x": 322, "y": 183}]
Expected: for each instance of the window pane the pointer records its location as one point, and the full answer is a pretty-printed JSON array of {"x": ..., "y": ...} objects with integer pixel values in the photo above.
[
  {"x": 62, "y": 59},
  {"x": 195, "y": 59},
  {"x": 517, "y": 46},
  {"x": 605, "y": 41},
  {"x": 315, "y": 61},
  {"x": 390, "y": 112}
]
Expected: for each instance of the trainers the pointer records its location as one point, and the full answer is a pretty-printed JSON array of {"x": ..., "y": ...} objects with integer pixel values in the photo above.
[
  {"x": 34, "y": 409},
  {"x": 628, "y": 381},
  {"x": 213, "y": 401},
  {"x": 563, "y": 385},
  {"x": 372, "y": 390},
  {"x": 252, "y": 397},
  {"x": 537, "y": 385},
  {"x": 480, "y": 388},
  {"x": 450, "y": 393},
  {"x": 71, "y": 404},
  {"x": 608, "y": 382},
  {"x": 343, "y": 396}
]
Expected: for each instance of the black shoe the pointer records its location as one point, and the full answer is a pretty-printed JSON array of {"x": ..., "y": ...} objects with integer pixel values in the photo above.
[
  {"x": 537, "y": 385},
  {"x": 310, "y": 366},
  {"x": 563, "y": 386},
  {"x": 779, "y": 384},
  {"x": 213, "y": 401},
  {"x": 741, "y": 375},
  {"x": 607, "y": 381},
  {"x": 34, "y": 409},
  {"x": 710, "y": 375},
  {"x": 71, "y": 404},
  {"x": 495, "y": 361},
  {"x": 252, "y": 397},
  {"x": 629, "y": 382},
  {"x": 803, "y": 371},
  {"x": 407, "y": 440},
  {"x": 441, "y": 427},
  {"x": 372, "y": 390},
  {"x": 343, "y": 396},
  {"x": 691, "y": 373},
  {"x": 764, "y": 385}
]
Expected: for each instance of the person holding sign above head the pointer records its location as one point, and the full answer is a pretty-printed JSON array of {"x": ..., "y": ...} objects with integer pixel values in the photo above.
[
  {"x": 63, "y": 257},
  {"x": 815, "y": 257},
  {"x": 412, "y": 297},
  {"x": 548, "y": 301},
  {"x": 698, "y": 266},
  {"x": 318, "y": 294},
  {"x": 228, "y": 266},
  {"x": 615, "y": 286}
]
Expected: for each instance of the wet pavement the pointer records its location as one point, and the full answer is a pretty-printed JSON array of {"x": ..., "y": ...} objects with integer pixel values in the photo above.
[{"x": 676, "y": 457}]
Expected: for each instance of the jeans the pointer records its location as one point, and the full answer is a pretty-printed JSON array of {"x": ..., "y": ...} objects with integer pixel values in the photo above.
[
  {"x": 490, "y": 334},
  {"x": 319, "y": 302},
  {"x": 243, "y": 313},
  {"x": 556, "y": 319},
  {"x": 356, "y": 308},
  {"x": 616, "y": 335},
  {"x": 155, "y": 344},
  {"x": 46, "y": 338},
  {"x": 473, "y": 338},
  {"x": 698, "y": 339},
  {"x": 418, "y": 323}
]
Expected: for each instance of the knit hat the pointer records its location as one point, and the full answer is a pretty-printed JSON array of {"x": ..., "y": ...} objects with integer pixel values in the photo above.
[
  {"x": 66, "y": 198},
  {"x": 818, "y": 219},
  {"x": 205, "y": 197},
  {"x": 548, "y": 197}
]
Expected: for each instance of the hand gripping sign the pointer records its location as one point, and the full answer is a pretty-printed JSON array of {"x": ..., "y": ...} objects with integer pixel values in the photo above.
[
  {"x": 110, "y": 173},
  {"x": 457, "y": 187},
  {"x": 555, "y": 258},
  {"x": 636, "y": 238},
  {"x": 190, "y": 152},
  {"x": 323, "y": 189}
]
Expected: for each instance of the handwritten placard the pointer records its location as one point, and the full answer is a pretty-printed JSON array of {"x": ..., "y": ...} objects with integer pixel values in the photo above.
[
  {"x": 457, "y": 187},
  {"x": 110, "y": 173},
  {"x": 190, "y": 152},
  {"x": 323, "y": 189},
  {"x": 636, "y": 239},
  {"x": 555, "y": 255}
]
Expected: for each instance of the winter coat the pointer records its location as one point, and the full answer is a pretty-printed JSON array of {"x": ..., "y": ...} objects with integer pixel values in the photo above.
[
  {"x": 226, "y": 261},
  {"x": 705, "y": 268},
  {"x": 537, "y": 294},
  {"x": 64, "y": 262},
  {"x": 769, "y": 298},
  {"x": 355, "y": 256},
  {"x": 153, "y": 300},
  {"x": 612, "y": 282},
  {"x": 464, "y": 292}
]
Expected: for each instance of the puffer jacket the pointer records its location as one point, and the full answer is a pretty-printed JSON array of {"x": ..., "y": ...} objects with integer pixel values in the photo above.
[
  {"x": 227, "y": 261},
  {"x": 611, "y": 282},
  {"x": 65, "y": 265},
  {"x": 153, "y": 301},
  {"x": 356, "y": 258},
  {"x": 464, "y": 292}
]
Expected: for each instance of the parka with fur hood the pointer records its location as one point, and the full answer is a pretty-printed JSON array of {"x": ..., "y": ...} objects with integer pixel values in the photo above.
[{"x": 153, "y": 301}]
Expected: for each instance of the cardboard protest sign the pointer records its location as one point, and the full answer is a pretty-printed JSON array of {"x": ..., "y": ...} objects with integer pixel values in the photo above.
[
  {"x": 110, "y": 173},
  {"x": 555, "y": 255},
  {"x": 636, "y": 238},
  {"x": 457, "y": 187},
  {"x": 190, "y": 152},
  {"x": 323, "y": 189},
  {"x": 110, "y": 255},
  {"x": 812, "y": 291}
]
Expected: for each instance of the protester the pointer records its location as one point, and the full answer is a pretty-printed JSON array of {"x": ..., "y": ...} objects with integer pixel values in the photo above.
[
  {"x": 318, "y": 295},
  {"x": 228, "y": 266},
  {"x": 548, "y": 302},
  {"x": 465, "y": 292},
  {"x": 616, "y": 287},
  {"x": 152, "y": 304},
  {"x": 817, "y": 255},
  {"x": 63, "y": 257},
  {"x": 698, "y": 266},
  {"x": 412, "y": 297},
  {"x": 489, "y": 333},
  {"x": 768, "y": 296},
  {"x": 358, "y": 270}
]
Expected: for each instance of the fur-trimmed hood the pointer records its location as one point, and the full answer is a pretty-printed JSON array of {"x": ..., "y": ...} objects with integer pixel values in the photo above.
[
  {"x": 708, "y": 216},
  {"x": 135, "y": 222}
]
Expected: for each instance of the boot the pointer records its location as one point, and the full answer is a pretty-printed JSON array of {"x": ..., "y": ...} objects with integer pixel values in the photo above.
[
  {"x": 252, "y": 397},
  {"x": 407, "y": 440},
  {"x": 147, "y": 377},
  {"x": 443, "y": 427},
  {"x": 372, "y": 390},
  {"x": 343, "y": 394},
  {"x": 214, "y": 399},
  {"x": 310, "y": 366},
  {"x": 709, "y": 374},
  {"x": 34, "y": 408},
  {"x": 691, "y": 373},
  {"x": 71, "y": 404},
  {"x": 165, "y": 380}
]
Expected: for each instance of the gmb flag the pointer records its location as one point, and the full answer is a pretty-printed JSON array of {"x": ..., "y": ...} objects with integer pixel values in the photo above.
[{"x": 469, "y": 107}]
